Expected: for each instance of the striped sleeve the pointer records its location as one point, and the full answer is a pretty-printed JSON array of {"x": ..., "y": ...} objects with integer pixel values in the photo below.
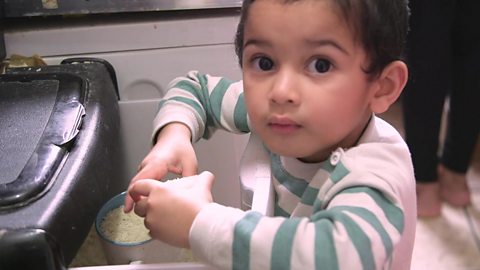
[
  {"x": 340, "y": 237},
  {"x": 204, "y": 103},
  {"x": 352, "y": 225}
]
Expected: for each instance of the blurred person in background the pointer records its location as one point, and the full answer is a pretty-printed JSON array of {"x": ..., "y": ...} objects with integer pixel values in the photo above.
[{"x": 443, "y": 52}]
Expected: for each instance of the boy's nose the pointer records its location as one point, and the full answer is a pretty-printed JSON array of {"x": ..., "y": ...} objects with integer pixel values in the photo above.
[{"x": 284, "y": 89}]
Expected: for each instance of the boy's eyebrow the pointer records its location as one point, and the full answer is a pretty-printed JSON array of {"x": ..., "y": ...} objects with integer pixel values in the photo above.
[
  {"x": 327, "y": 42},
  {"x": 256, "y": 42},
  {"x": 311, "y": 42}
]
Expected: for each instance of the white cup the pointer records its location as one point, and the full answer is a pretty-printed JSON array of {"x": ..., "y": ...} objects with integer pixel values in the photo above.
[{"x": 149, "y": 251}]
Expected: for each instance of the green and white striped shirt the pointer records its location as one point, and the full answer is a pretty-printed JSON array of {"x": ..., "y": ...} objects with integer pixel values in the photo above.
[{"x": 355, "y": 210}]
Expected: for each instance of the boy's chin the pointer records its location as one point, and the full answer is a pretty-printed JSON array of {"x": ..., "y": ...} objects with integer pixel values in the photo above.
[{"x": 295, "y": 152}]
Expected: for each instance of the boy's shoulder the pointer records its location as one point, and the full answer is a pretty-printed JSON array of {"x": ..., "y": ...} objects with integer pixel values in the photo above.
[
  {"x": 380, "y": 131},
  {"x": 381, "y": 151}
]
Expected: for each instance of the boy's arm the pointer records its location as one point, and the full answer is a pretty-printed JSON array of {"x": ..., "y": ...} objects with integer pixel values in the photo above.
[
  {"x": 344, "y": 236},
  {"x": 193, "y": 107},
  {"x": 358, "y": 220},
  {"x": 204, "y": 103},
  {"x": 173, "y": 152}
]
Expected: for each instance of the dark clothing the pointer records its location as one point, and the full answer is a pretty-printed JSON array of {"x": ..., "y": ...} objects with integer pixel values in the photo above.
[{"x": 444, "y": 61}]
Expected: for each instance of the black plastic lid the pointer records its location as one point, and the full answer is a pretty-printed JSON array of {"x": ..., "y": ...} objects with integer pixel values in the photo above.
[
  {"x": 24, "y": 100},
  {"x": 29, "y": 249}
]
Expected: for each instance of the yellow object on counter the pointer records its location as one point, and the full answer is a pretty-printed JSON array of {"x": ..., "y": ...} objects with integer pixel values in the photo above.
[{"x": 17, "y": 60}]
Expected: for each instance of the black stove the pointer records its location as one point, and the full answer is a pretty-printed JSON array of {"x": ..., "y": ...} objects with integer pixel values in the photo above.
[{"x": 61, "y": 159}]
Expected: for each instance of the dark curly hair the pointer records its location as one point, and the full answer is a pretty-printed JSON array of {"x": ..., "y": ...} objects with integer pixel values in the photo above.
[{"x": 381, "y": 26}]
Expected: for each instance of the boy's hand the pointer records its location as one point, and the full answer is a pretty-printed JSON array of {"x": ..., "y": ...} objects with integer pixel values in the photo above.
[
  {"x": 173, "y": 152},
  {"x": 170, "y": 207}
]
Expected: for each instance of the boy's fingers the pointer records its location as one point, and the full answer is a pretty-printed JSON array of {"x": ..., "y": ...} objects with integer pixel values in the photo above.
[
  {"x": 207, "y": 179},
  {"x": 128, "y": 205},
  {"x": 174, "y": 170},
  {"x": 140, "y": 208},
  {"x": 189, "y": 170},
  {"x": 141, "y": 188},
  {"x": 150, "y": 172}
]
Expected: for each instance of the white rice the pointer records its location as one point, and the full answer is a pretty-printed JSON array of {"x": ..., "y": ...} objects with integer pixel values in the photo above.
[{"x": 120, "y": 227}]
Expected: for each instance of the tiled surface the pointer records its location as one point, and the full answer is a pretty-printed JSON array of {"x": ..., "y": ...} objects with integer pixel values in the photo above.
[{"x": 451, "y": 241}]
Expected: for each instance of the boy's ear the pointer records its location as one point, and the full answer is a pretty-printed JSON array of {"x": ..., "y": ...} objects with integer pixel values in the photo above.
[{"x": 389, "y": 86}]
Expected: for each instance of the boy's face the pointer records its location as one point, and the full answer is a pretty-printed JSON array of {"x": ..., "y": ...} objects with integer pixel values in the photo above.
[{"x": 305, "y": 90}]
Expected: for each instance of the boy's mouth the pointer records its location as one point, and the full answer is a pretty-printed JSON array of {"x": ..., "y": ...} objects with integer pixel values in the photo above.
[{"x": 283, "y": 125}]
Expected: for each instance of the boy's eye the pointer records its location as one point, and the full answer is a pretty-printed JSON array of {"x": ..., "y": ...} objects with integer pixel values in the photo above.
[
  {"x": 263, "y": 63},
  {"x": 320, "y": 65}
]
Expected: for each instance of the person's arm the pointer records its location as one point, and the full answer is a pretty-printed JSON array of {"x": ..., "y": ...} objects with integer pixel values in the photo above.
[
  {"x": 194, "y": 106},
  {"x": 350, "y": 234},
  {"x": 357, "y": 221},
  {"x": 170, "y": 207},
  {"x": 358, "y": 218},
  {"x": 172, "y": 152},
  {"x": 343, "y": 236},
  {"x": 204, "y": 103}
]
